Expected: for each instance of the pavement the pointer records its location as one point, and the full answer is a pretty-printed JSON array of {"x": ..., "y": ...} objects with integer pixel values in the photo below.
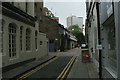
[
  {"x": 83, "y": 70},
  {"x": 78, "y": 70}
]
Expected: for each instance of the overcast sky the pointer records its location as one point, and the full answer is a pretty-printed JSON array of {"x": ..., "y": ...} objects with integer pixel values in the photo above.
[{"x": 65, "y": 8}]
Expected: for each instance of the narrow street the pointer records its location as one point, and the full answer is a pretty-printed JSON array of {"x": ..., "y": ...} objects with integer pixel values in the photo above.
[
  {"x": 52, "y": 70},
  {"x": 60, "y": 67},
  {"x": 59, "y": 39},
  {"x": 55, "y": 68}
]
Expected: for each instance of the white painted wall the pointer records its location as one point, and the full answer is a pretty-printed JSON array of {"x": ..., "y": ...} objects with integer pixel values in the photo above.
[
  {"x": 22, "y": 55},
  {"x": 20, "y": 5},
  {"x": 29, "y": 7},
  {"x": 42, "y": 49}
]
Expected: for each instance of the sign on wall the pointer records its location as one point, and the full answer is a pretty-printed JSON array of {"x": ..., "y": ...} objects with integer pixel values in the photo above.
[{"x": 99, "y": 47}]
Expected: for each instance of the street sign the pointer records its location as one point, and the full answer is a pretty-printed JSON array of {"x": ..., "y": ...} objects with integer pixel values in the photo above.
[{"x": 99, "y": 47}]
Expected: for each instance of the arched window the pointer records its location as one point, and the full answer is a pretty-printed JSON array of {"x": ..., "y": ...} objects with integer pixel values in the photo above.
[
  {"x": 21, "y": 32},
  {"x": 35, "y": 39},
  {"x": 28, "y": 46},
  {"x": 12, "y": 40}
]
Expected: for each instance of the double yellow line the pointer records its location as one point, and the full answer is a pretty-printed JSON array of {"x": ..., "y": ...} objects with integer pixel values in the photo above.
[
  {"x": 36, "y": 69},
  {"x": 66, "y": 69}
]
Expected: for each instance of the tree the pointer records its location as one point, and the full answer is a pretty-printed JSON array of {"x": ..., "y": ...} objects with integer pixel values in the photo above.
[
  {"x": 74, "y": 27},
  {"x": 77, "y": 32}
]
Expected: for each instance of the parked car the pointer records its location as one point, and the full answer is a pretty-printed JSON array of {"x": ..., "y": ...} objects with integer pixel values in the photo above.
[{"x": 84, "y": 46}]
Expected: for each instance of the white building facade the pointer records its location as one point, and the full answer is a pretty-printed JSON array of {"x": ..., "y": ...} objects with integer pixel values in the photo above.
[
  {"x": 73, "y": 20},
  {"x": 21, "y": 40}
]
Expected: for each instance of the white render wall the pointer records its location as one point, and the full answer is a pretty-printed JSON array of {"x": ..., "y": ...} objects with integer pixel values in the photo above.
[
  {"x": 22, "y": 55},
  {"x": 20, "y": 5},
  {"x": 29, "y": 7}
]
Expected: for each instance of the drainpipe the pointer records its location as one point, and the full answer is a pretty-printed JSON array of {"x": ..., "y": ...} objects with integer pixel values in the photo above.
[{"x": 99, "y": 40}]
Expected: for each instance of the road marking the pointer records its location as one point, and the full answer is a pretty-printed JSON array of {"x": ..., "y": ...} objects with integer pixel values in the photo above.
[
  {"x": 68, "y": 69},
  {"x": 62, "y": 73},
  {"x": 36, "y": 69},
  {"x": 64, "y": 68}
]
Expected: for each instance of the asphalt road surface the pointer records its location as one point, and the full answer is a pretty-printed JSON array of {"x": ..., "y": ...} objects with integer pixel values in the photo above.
[
  {"x": 54, "y": 69},
  {"x": 50, "y": 71}
]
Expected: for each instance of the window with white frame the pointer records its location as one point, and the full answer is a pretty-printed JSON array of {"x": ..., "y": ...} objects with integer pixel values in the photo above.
[
  {"x": 21, "y": 29},
  {"x": 28, "y": 39},
  {"x": 35, "y": 39},
  {"x": 12, "y": 40}
]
